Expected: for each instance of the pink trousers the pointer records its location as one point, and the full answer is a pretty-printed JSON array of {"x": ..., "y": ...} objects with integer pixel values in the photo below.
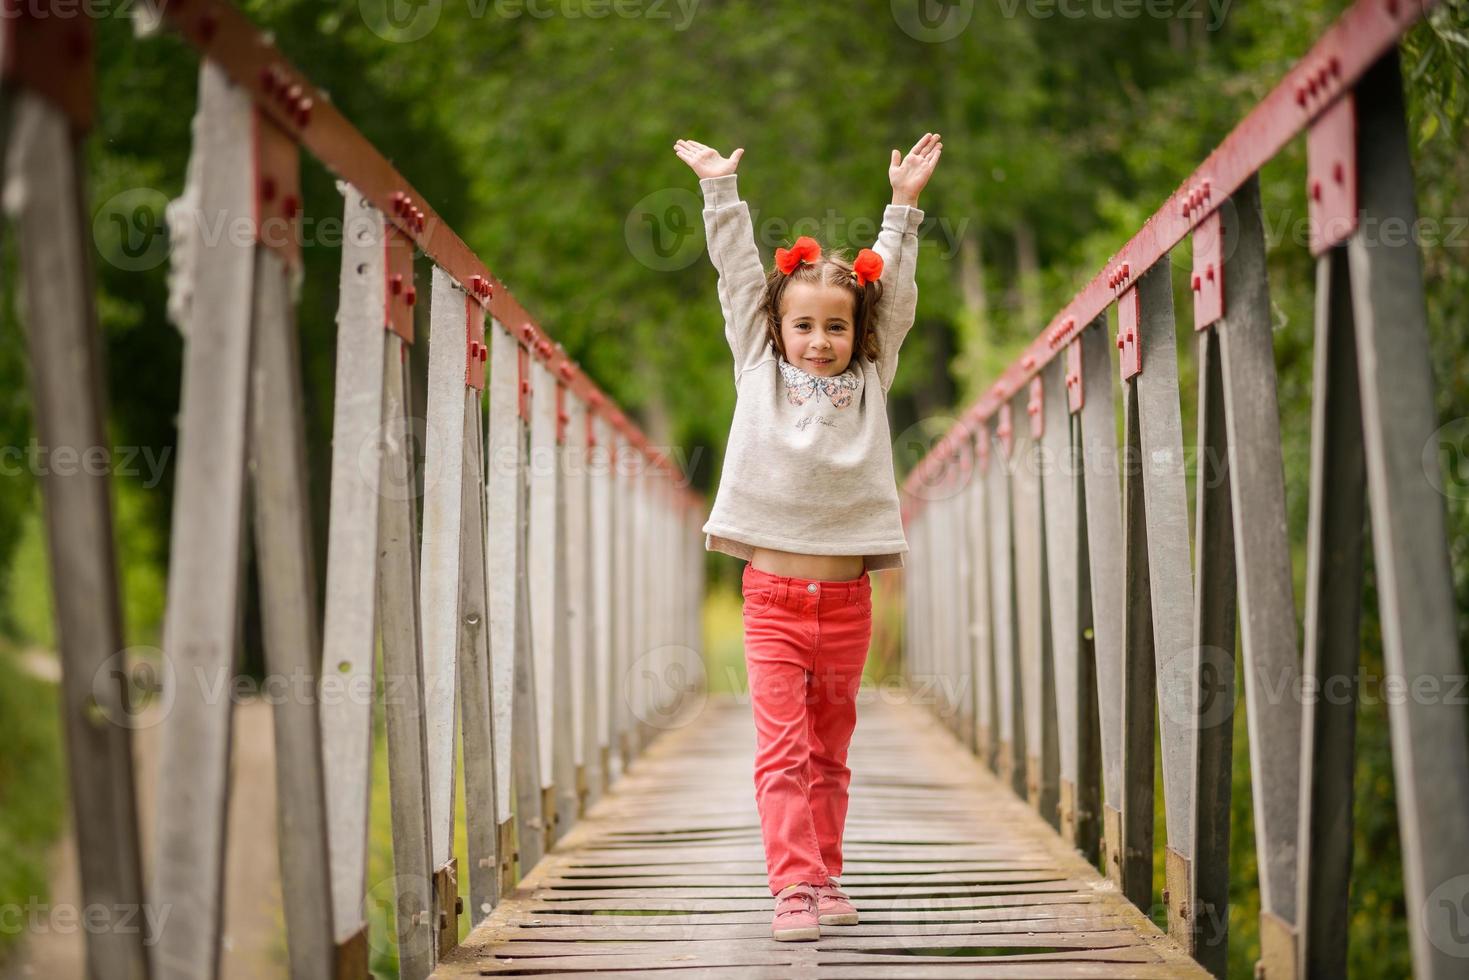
[{"x": 806, "y": 642}]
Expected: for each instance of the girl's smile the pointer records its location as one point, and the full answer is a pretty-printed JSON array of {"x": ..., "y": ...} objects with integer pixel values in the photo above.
[{"x": 816, "y": 327}]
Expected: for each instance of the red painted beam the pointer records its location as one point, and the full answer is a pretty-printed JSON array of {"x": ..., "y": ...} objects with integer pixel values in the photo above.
[
  {"x": 224, "y": 35},
  {"x": 1351, "y": 45}
]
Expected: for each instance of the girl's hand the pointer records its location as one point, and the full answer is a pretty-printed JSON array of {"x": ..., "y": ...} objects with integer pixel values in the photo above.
[
  {"x": 909, "y": 175},
  {"x": 706, "y": 161}
]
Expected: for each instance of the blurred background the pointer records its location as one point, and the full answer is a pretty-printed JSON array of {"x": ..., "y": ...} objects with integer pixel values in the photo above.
[{"x": 542, "y": 131}]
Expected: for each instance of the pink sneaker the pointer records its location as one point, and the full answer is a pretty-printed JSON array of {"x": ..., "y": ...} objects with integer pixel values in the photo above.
[
  {"x": 795, "y": 914},
  {"x": 834, "y": 906}
]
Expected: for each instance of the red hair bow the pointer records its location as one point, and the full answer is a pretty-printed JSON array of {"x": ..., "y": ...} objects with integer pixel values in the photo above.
[
  {"x": 868, "y": 266},
  {"x": 805, "y": 250}
]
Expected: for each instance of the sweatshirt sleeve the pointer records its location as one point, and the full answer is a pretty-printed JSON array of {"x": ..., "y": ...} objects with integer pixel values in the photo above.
[
  {"x": 730, "y": 238},
  {"x": 897, "y": 243}
]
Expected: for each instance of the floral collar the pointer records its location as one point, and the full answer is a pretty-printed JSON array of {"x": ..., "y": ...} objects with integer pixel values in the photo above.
[{"x": 801, "y": 385}]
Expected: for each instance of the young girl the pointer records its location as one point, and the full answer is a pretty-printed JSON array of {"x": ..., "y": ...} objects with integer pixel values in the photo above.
[{"x": 808, "y": 497}]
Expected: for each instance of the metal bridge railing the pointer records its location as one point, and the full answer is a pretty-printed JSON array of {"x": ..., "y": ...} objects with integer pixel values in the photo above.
[
  {"x": 1053, "y": 573},
  {"x": 558, "y": 574}
]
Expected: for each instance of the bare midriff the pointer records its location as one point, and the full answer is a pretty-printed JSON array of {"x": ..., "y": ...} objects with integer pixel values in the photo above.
[{"x": 826, "y": 568}]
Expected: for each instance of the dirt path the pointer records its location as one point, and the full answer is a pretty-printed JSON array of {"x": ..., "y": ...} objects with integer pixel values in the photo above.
[{"x": 254, "y": 937}]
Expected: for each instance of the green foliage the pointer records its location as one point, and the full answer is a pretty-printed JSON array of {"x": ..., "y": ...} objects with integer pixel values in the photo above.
[
  {"x": 32, "y": 788},
  {"x": 380, "y": 908},
  {"x": 15, "y": 420},
  {"x": 27, "y": 596},
  {"x": 724, "y": 652}
]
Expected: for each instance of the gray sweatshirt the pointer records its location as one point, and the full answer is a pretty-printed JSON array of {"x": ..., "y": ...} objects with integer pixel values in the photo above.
[{"x": 809, "y": 465}]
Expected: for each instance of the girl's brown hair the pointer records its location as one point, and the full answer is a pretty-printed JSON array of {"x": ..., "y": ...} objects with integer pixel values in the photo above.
[{"x": 833, "y": 268}]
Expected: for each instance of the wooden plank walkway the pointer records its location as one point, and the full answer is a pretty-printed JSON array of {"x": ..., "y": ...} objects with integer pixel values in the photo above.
[{"x": 952, "y": 874}]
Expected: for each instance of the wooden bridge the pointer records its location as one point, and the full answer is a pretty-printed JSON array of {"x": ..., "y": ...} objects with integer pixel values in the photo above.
[
  {"x": 534, "y": 580},
  {"x": 953, "y": 875}
]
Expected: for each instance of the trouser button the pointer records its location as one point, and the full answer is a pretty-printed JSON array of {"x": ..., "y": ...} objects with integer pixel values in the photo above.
[{"x": 811, "y": 587}]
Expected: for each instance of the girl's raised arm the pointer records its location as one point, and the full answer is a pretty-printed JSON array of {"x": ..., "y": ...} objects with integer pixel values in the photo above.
[
  {"x": 897, "y": 243},
  {"x": 730, "y": 237}
]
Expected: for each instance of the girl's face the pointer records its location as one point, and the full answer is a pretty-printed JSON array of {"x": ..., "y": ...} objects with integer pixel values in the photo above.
[{"x": 816, "y": 327}]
